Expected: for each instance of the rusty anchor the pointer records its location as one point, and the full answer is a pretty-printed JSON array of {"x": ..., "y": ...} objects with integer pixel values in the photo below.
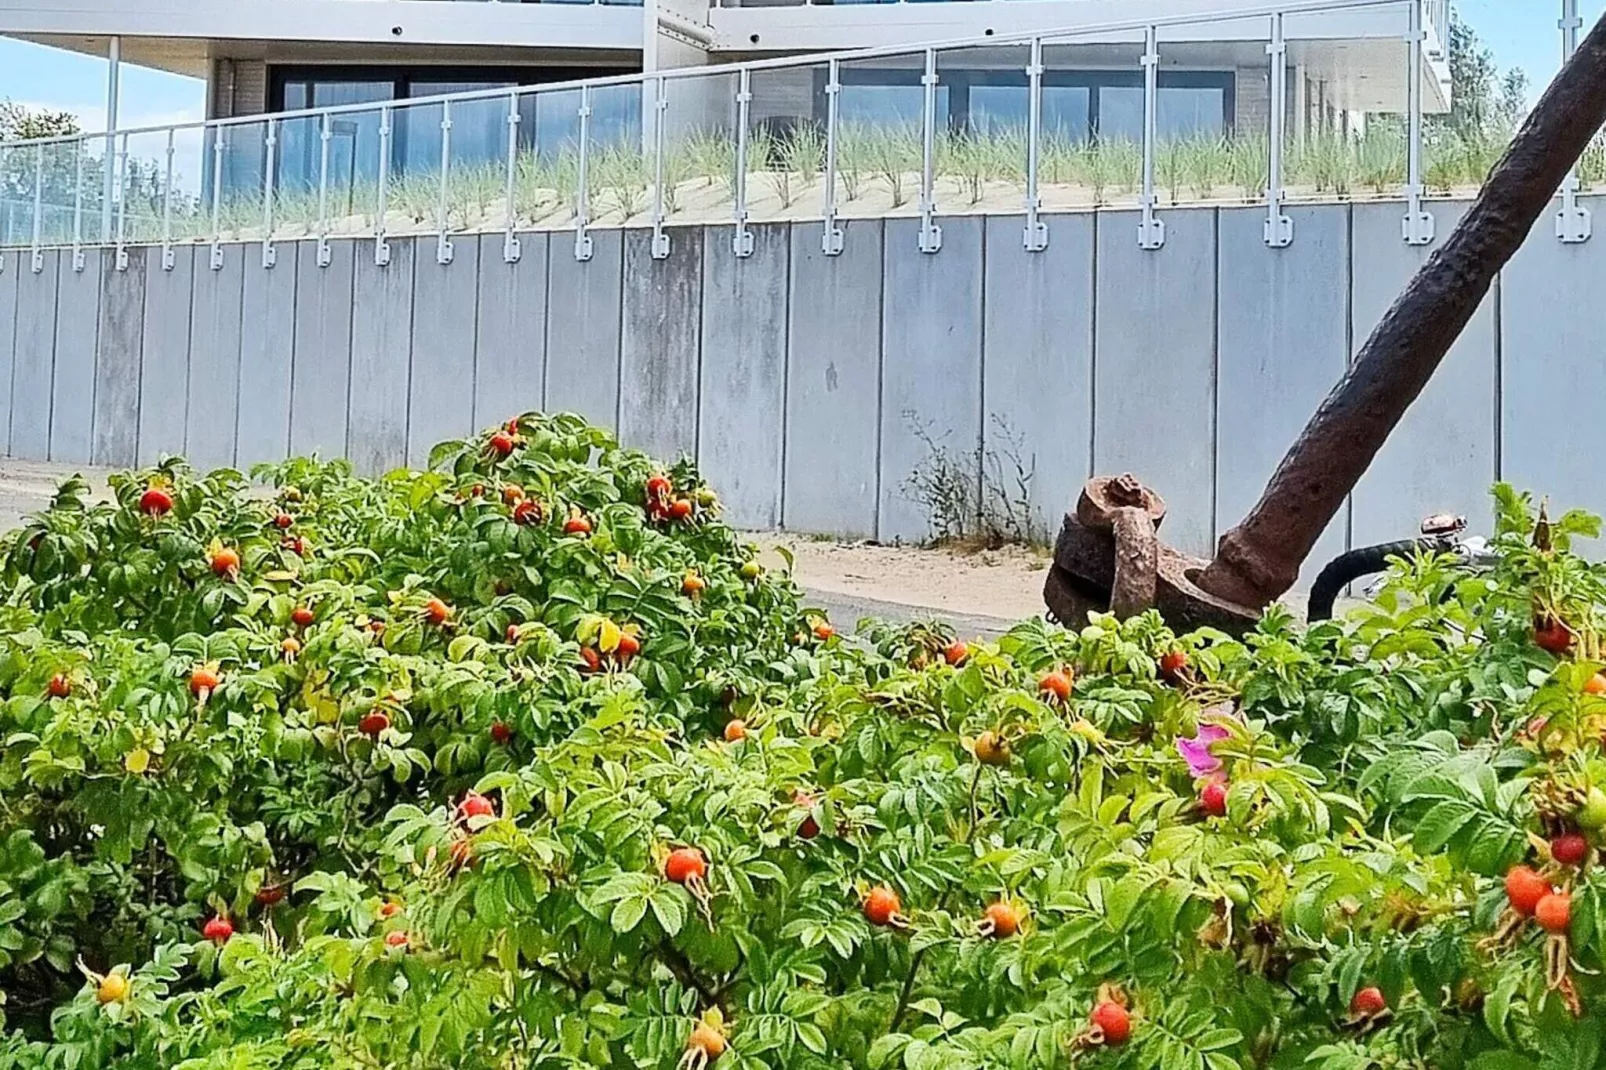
[{"x": 1109, "y": 555}]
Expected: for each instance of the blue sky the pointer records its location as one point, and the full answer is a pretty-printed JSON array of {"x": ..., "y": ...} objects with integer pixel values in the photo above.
[{"x": 1522, "y": 33}]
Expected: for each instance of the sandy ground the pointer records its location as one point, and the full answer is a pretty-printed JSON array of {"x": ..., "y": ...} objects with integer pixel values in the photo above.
[{"x": 980, "y": 593}]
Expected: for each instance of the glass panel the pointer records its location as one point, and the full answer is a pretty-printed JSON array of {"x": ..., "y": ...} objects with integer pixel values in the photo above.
[
  {"x": 143, "y": 181},
  {"x": 415, "y": 172},
  {"x": 240, "y": 189},
  {"x": 16, "y": 195},
  {"x": 477, "y": 190},
  {"x": 879, "y": 144},
  {"x": 59, "y": 183},
  {"x": 619, "y": 172},
  {"x": 700, "y": 148},
  {"x": 191, "y": 214},
  {"x": 1092, "y": 148},
  {"x": 981, "y": 150},
  {"x": 548, "y": 161},
  {"x": 786, "y": 144},
  {"x": 298, "y": 165}
]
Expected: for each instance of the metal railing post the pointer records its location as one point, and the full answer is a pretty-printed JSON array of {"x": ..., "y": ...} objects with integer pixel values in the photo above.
[
  {"x": 1418, "y": 226},
  {"x": 660, "y": 239},
  {"x": 270, "y": 255},
  {"x": 79, "y": 153},
  {"x": 930, "y": 232},
  {"x": 221, "y": 133},
  {"x": 36, "y": 248},
  {"x": 1574, "y": 225},
  {"x": 1279, "y": 227},
  {"x": 1151, "y": 229},
  {"x": 831, "y": 244},
  {"x": 326, "y": 134},
  {"x": 381, "y": 244},
  {"x": 512, "y": 250},
  {"x": 168, "y": 258},
  {"x": 443, "y": 244},
  {"x": 5, "y": 206},
  {"x": 742, "y": 243},
  {"x": 114, "y": 61},
  {"x": 122, "y": 207},
  {"x": 1036, "y": 238},
  {"x": 582, "y": 206}
]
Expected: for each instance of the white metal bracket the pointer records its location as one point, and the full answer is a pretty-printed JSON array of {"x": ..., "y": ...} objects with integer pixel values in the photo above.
[
  {"x": 1418, "y": 226},
  {"x": 325, "y": 135},
  {"x": 512, "y": 248},
  {"x": 930, "y": 232},
  {"x": 831, "y": 242},
  {"x": 583, "y": 245},
  {"x": 1035, "y": 240},
  {"x": 1574, "y": 224},
  {"x": 1279, "y": 227},
  {"x": 660, "y": 237},
  {"x": 1151, "y": 230},
  {"x": 270, "y": 254},
  {"x": 381, "y": 241},
  {"x": 742, "y": 242},
  {"x": 38, "y": 263}
]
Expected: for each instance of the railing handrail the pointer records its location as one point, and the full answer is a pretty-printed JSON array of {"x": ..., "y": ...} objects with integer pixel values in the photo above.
[{"x": 1266, "y": 10}]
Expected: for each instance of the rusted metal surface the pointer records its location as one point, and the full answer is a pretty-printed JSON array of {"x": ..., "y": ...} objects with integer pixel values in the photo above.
[
  {"x": 1109, "y": 554},
  {"x": 1109, "y": 557}
]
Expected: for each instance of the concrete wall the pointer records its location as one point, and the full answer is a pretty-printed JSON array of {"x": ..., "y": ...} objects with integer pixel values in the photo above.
[{"x": 798, "y": 380}]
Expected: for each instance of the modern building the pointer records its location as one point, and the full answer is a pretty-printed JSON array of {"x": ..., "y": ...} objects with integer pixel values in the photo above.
[{"x": 262, "y": 56}]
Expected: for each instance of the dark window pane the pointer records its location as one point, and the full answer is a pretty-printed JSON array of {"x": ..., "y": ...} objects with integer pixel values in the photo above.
[
  {"x": 1121, "y": 112},
  {"x": 1180, "y": 112},
  {"x": 1065, "y": 112},
  {"x": 1184, "y": 112},
  {"x": 886, "y": 105}
]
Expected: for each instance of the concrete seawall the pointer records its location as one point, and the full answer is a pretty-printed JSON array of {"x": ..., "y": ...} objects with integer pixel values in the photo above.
[{"x": 797, "y": 379}]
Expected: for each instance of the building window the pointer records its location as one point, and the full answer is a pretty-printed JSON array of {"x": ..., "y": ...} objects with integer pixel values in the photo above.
[
  {"x": 548, "y": 122},
  {"x": 1077, "y": 105}
]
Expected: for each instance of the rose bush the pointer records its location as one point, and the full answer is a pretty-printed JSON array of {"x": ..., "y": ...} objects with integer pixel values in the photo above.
[{"x": 438, "y": 770}]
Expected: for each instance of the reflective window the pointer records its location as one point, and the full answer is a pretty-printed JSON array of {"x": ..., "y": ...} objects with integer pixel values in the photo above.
[{"x": 479, "y": 127}]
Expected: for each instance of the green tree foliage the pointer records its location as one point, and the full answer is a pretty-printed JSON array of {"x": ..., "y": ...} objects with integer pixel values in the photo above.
[{"x": 525, "y": 761}]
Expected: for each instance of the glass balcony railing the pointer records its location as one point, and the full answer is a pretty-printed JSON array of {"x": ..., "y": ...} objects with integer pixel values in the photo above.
[{"x": 996, "y": 124}]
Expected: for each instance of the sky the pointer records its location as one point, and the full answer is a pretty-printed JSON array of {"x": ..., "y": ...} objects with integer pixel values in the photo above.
[{"x": 1522, "y": 33}]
